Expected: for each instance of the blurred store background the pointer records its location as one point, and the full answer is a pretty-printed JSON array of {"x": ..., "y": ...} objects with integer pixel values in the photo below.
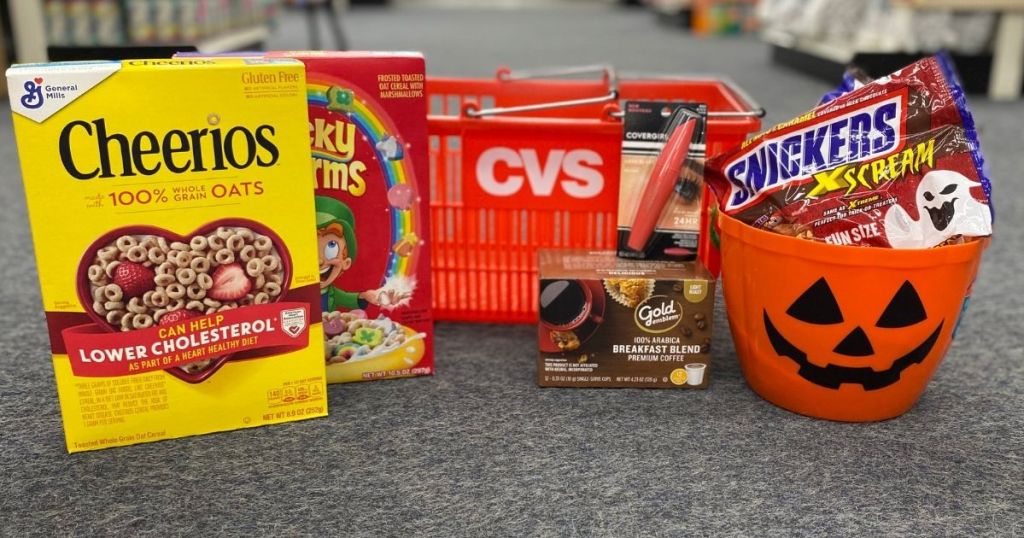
[{"x": 816, "y": 37}]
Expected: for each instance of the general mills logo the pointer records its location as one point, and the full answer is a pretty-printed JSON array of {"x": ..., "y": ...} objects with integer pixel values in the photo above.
[{"x": 33, "y": 97}]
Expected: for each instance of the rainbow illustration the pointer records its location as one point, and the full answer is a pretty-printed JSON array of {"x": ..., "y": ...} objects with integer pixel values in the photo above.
[{"x": 376, "y": 125}]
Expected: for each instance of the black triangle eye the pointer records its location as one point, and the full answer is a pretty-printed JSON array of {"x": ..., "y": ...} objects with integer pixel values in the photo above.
[
  {"x": 949, "y": 189},
  {"x": 817, "y": 305},
  {"x": 905, "y": 309}
]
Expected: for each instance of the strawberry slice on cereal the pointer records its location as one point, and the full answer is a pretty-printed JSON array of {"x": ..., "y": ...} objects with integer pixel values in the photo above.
[
  {"x": 230, "y": 283},
  {"x": 134, "y": 279}
]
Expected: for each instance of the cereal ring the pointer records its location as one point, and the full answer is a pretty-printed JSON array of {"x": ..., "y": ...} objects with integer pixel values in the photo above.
[
  {"x": 260, "y": 280},
  {"x": 246, "y": 234},
  {"x": 97, "y": 293},
  {"x": 211, "y": 302},
  {"x": 113, "y": 317},
  {"x": 112, "y": 292},
  {"x": 147, "y": 298},
  {"x": 96, "y": 273},
  {"x": 200, "y": 264},
  {"x": 262, "y": 298},
  {"x": 164, "y": 280},
  {"x": 225, "y": 307},
  {"x": 183, "y": 259},
  {"x": 254, "y": 267},
  {"x": 136, "y": 305},
  {"x": 214, "y": 242},
  {"x": 126, "y": 319},
  {"x": 177, "y": 304},
  {"x": 137, "y": 254},
  {"x": 204, "y": 280},
  {"x": 148, "y": 242},
  {"x": 271, "y": 263},
  {"x": 162, "y": 243},
  {"x": 175, "y": 291},
  {"x": 166, "y": 268},
  {"x": 97, "y": 306},
  {"x": 159, "y": 314},
  {"x": 211, "y": 256},
  {"x": 272, "y": 288},
  {"x": 224, "y": 232},
  {"x": 195, "y": 291},
  {"x": 142, "y": 321},
  {"x": 224, "y": 256},
  {"x": 179, "y": 246},
  {"x": 109, "y": 269},
  {"x": 198, "y": 242},
  {"x": 345, "y": 338},
  {"x": 275, "y": 278},
  {"x": 156, "y": 255},
  {"x": 211, "y": 310},
  {"x": 160, "y": 298},
  {"x": 235, "y": 242},
  {"x": 195, "y": 305},
  {"x": 247, "y": 253},
  {"x": 126, "y": 242},
  {"x": 262, "y": 243},
  {"x": 108, "y": 253},
  {"x": 185, "y": 275}
]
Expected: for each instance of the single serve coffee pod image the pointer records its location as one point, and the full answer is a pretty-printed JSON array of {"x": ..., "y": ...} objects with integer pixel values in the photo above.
[
  {"x": 663, "y": 178},
  {"x": 695, "y": 373}
]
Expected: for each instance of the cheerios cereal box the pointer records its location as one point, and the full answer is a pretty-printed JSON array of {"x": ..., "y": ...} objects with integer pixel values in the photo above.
[
  {"x": 176, "y": 258},
  {"x": 368, "y": 135}
]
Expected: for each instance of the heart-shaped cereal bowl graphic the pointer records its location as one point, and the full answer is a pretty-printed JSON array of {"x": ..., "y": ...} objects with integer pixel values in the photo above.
[{"x": 134, "y": 277}]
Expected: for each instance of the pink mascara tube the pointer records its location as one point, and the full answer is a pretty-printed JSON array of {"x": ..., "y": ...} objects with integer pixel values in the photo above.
[{"x": 661, "y": 183}]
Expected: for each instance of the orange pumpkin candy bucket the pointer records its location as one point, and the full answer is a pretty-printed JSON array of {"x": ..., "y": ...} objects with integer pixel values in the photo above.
[
  {"x": 840, "y": 332},
  {"x": 850, "y": 238}
]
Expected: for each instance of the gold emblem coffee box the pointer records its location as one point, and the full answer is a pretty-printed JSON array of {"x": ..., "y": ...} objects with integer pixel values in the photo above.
[{"x": 612, "y": 322}]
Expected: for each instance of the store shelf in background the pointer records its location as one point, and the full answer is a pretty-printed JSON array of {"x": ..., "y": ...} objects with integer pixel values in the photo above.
[
  {"x": 974, "y": 71},
  {"x": 234, "y": 40},
  {"x": 985, "y": 36},
  {"x": 54, "y": 29}
]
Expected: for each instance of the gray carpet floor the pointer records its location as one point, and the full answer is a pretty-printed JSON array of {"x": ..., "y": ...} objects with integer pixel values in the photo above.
[{"x": 479, "y": 450}]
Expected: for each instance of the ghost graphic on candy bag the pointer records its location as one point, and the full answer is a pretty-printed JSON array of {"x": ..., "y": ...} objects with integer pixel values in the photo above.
[{"x": 945, "y": 209}]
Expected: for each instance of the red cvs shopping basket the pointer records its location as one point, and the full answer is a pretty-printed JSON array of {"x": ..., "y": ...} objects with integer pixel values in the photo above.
[{"x": 520, "y": 163}]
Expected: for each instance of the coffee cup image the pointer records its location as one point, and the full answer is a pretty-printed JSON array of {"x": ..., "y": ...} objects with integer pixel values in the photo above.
[
  {"x": 571, "y": 311},
  {"x": 566, "y": 304},
  {"x": 695, "y": 373}
]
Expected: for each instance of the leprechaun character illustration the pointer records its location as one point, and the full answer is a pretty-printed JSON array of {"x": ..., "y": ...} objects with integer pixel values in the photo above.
[{"x": 336, "y": 231}]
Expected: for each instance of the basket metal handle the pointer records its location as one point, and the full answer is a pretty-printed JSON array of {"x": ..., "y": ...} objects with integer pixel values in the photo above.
[
  {"x": 754, "y": 109},
  {"x": 507, "y": 75}
]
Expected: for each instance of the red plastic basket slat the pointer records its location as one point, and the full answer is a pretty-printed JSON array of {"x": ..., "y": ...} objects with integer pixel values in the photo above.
[{"x": 484, "y": 255}]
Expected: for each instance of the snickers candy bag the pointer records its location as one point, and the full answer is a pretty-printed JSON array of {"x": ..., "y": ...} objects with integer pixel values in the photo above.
[{"x": 894, "y": 163}]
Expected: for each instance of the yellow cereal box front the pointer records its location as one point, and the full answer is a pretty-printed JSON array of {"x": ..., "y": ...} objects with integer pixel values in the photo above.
[{"x": 177, "y": 260}]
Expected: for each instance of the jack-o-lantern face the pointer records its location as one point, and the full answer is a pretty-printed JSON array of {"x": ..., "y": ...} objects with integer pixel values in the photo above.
[{"x": 817, "y": 306}]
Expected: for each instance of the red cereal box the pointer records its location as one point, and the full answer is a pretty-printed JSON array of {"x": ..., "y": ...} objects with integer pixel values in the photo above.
[{"x": 368, "y": 132}]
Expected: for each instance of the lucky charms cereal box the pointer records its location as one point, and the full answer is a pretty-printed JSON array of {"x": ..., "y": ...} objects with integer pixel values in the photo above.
[{"x": 368, "y": 134}]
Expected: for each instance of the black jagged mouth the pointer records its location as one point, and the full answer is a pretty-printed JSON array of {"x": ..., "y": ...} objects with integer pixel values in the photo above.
[
  {"x": 832, "y": 376},
  {"x": 941, "y": 216}
]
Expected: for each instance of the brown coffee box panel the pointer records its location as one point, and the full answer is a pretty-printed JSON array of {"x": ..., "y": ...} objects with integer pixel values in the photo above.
[{"x": 611, "y": 322}]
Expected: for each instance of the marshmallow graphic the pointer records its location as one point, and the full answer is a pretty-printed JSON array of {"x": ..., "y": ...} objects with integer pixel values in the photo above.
[
  {"x": 401, "y": 196},
  {"x": 391, "y": 147}
]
